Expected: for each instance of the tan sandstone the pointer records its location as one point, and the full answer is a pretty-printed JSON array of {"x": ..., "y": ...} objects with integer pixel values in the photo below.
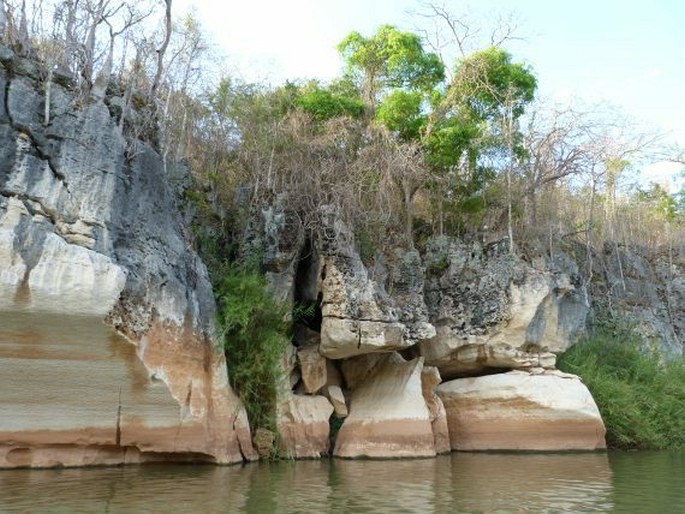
[
  {"x": 388, "y": 416},
  {"x": 75, "y": 393},
  {"x": 522, "y": 411},
  {"x": 313, "y": 368},
  {"x": 302, "y": 422}
]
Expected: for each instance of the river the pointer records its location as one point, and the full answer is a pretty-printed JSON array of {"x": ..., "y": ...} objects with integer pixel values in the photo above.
[{"x": 634, "y": 482}]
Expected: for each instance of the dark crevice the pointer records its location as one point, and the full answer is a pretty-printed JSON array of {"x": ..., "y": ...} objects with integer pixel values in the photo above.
[
  {"x": 370, "y": 320},
  {"x": 481, "y": 372},
  {"x": 307, "y": 296},
  {"x": 25, "y": 199},
  {"x": 45, "y": 157}
]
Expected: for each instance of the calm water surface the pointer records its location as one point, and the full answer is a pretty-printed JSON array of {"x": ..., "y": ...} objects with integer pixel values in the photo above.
[{"x": 618, "y": 482}]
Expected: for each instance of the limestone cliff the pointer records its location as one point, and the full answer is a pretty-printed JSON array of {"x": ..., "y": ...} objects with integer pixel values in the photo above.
[
  {"x": 387, "y": 334},
  {"x": 89, "y": 231}
]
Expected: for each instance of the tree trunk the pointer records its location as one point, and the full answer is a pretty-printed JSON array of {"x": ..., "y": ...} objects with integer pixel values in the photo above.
[
  {"x": 162, "y": 49},
  {"x": 48, "y": 91},
  {"x": 588, "y": 236},
  {"x": 510, "y": 147}
]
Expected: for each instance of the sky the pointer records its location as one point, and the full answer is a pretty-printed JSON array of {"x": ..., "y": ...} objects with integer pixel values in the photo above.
[{"x": 625, "y": 53}]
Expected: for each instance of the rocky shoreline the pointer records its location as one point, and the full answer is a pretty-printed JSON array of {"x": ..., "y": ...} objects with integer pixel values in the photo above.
[{"x": 416, "y": 354}]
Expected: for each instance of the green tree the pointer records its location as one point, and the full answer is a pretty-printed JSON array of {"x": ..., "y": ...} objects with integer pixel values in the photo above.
[
  {"x": 478, "y": 115},
  {"x": 389, "y": 60},
  {"x": 325, "y": 103}
]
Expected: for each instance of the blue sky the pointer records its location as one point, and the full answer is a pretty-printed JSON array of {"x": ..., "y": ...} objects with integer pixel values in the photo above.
[{"x": 626, "y": 53}]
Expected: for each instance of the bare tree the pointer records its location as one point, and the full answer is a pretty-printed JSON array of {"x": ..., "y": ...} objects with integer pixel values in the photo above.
[
  {"x": 162, "y": 49},
  {"x": 463, "y": 33}
]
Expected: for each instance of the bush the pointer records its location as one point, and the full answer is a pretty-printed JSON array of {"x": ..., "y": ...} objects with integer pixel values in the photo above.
[
  {"x": 641, "y": 398},
  {"x": 254, "y": 330}
]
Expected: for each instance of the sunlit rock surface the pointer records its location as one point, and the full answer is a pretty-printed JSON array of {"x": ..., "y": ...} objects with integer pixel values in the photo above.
[
  {"x": 313, "y": 368},
  {"x": 359, "y": 314},
  {"x": 493, "y": 311},
  {"x": 388, "y": 416},
  {"x": 90, "y": 232},
  {"x": 546, "y": 410},
  {"x": 430, "y": 379},
  {"x": 302, "y": 422}
]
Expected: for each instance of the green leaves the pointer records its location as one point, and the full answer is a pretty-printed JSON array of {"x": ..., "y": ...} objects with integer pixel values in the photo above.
[
  {"x": 401, "y": 112},
  {"x": 390, "y": 59},
  {"x": 322, "y": 104},
  {"x": 488, "y": 81},
  {"x": 254, "y": 329}
]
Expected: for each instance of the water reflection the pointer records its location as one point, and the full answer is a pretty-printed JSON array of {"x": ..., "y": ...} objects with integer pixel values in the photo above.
[
  {"x": 455, "y": 483},
  {"x": 648, "y": 481}
]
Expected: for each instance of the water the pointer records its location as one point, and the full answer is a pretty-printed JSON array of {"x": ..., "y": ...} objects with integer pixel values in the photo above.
[{"x": 650, "y": 482}]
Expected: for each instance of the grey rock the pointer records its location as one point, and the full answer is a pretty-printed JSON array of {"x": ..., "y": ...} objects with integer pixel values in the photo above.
[{"x": 494, "y": 311}]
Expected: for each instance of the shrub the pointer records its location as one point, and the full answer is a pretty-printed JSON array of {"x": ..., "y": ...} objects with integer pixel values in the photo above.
[
  {"x": 641, "y": 398},
  {"x": 254, "y": 330}
]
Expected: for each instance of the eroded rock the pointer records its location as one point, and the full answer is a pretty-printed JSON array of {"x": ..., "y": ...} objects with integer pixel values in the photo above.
[
  {"x": 430, "y": 379},
  {"x": 359, "y": 315},
  {"x": 313, "y": 368},
  {"x": 388, "y": 416},
  {"x": 89, "y": 230},
  {"x": 493, "y": 311},
  {"x": 337, "y": 398},
  {"x": 303, "y": 425}
]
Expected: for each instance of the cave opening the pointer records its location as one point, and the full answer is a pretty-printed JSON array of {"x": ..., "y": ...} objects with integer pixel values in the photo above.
[{"x": 307, "y": 296}]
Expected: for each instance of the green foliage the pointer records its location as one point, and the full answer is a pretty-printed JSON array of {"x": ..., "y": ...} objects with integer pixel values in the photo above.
[
  {"x": 304, "y": 312},
  {"x": 367, "y": 244},
  {"x": 254, "y": 330},
  {"x": 664, "y": 205},
  {"x": 448, "y": 142},
  {"x": 400, "y": 112},
  {"x": 390, "y": 59},
  {"x": 490, "y": 82},
  {"x": 323, "y": 104},
  {"x": 641, "y": 399}
]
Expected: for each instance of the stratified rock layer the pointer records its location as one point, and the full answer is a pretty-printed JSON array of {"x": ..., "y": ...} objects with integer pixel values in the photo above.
[
  {"x": 522, "y": 411},
  {"x": 358, "y": 314},
  {"x": 89, "y": 230},
  {"x": 303, "y": 426},
  {"x": 388, "y": 415}
]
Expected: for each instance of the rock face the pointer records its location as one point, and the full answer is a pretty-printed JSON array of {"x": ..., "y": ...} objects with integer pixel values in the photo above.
[
  {"x": 492, "y": 311},
  {"x": 649, "y": 288},
  {"x": 303, "y": 426},
  {"x": 398, "y": 327},
  {"x": 522, "y": 411},
  {"x": 358, "y": 315},
  {"x": 89, "y": 230},
  {"x": 388, "y": 414}
]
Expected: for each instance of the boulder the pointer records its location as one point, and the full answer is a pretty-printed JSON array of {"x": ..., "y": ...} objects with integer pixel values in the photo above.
[
  {"x": 359, "y": 316},
  {"x": 313, "y": 369},
  {"x": 546, "y": 410},
  {"x": 337, "y": 398},
  {"x": 302, "y": 422},
  {"x": 354, "y": 321},
  {"x": 388, "y": 416}
]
